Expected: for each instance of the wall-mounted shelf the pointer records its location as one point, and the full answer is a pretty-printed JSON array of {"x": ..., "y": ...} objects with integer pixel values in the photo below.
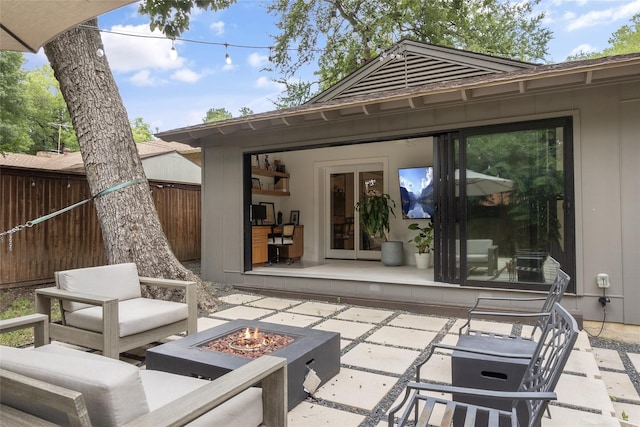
[{"x": 280, "y": 182}]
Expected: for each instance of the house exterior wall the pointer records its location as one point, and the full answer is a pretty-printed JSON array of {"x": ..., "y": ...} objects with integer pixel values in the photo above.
[
  {"x": 172, "y": 167},
  {"x": 606, "y": 144}
]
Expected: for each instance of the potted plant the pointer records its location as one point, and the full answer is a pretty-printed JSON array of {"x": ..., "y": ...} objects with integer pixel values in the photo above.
[
  {"x": 423, "y": 242},
  {"x": 375, "y": 209}
]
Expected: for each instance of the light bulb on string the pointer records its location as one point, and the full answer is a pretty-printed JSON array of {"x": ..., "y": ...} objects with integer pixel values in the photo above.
[
  {"x": 173, "y": 53},
  {"x": 334, "y": 18},
  {"x": 100, "y": 51},
  {"x": 227, "y": 58}
]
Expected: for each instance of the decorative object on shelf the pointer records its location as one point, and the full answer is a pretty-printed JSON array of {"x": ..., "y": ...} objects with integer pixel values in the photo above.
[
  {"x": 267, "y": 165},
  {"x": 279, "y": 217},
  {"x": 255, "y": 161},
  {"x": 255, "y": 183},
  {"x": 423, "y": 242},
  {"x": 271, "y": 213},
  {"x": 294, "y": 217}
]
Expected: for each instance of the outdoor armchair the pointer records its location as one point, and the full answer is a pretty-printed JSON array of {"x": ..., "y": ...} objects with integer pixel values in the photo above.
[
  {"x": 555, "y": 294},
  {"x": 56, "y": 384},
  {"x": 528, "y": 402},
  {"x": 103, "y": 308}
]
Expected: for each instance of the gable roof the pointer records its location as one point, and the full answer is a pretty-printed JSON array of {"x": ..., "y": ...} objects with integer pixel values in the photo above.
[
  {"x": 72, "y": 161},
  {"x": 539, "y": 79},
  {"x": 409, "y": 63}
]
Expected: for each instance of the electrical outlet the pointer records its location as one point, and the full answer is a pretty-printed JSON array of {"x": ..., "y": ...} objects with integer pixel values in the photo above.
[{"x": 602, "y": 280}]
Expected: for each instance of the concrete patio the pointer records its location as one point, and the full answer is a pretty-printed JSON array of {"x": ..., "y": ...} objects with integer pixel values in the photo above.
[{"x": 380, "y": 348}]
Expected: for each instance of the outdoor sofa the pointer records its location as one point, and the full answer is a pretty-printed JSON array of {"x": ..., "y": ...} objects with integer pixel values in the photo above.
[{"x": 66, "y": 386}]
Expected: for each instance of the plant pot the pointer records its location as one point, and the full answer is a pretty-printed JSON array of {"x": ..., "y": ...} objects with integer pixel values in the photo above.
[
  {"x": 392, "y": 253},
  {"x": 423, "y": 260}
]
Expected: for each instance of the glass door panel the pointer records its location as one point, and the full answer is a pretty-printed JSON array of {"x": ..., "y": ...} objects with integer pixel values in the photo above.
[
  {"x": 342, "y": 211},
  {"x": 513, "y": 190}
]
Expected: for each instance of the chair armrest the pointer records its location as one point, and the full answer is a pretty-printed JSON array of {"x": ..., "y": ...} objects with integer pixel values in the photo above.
[
  {"x": 39, "y": 323},
  {"x": 468, "y": 350},
  {"x": 74, "y": 296},
  {"x": 503, "y": 395},
  {"x": 272, "y": 371},
  {"x": 166, "y": 283},
  {"x": 44, "y": 395}
]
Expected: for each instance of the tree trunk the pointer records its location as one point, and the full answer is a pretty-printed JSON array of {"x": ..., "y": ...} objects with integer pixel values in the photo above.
[{"x": 128, "y": 218}]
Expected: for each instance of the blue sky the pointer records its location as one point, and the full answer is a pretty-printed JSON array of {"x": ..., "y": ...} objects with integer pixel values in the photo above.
[{"x": 169, "y": 94}]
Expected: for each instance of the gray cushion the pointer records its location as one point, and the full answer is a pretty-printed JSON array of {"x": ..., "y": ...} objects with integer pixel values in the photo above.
[
  {"x": 244, "y": 409},
  {"x": 112, "y": 390},
  {"x": 134, "y": 315},
  {"x": 119, "y": 281}
]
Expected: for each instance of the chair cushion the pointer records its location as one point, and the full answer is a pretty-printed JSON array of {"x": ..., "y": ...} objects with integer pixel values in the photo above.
[
  {"x": 113, "y": 390},
  {"x": 244, "y": 409},
  {"x": 117, "y": 281},
  {"x": 135, "y": 315}
]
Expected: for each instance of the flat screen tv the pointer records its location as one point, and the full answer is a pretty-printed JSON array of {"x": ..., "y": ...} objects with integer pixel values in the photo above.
[{"x": 416, "y": 192}]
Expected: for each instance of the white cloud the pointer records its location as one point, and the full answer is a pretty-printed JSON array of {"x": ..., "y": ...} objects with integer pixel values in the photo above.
[
  {"x": 606, "y": 16},
  {"x": 265, "y": 82},
  {"x": 186, "y": 75},
  {"x": 583, "y": 48},
  {"x": 217, "y": 27},
  {"x": 257, "y": 60},
  {"x": 127, "y": 53},
  {"x": 144, "y": 78}
]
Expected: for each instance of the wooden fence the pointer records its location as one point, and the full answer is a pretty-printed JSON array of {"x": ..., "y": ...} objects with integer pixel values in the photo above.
[{"x": 73, "y": 239}]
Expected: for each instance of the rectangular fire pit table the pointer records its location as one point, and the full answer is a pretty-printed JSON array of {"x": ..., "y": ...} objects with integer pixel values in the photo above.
[{"x": 311, "y": 348}]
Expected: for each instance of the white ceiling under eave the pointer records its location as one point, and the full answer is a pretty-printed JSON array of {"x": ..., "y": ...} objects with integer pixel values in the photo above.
[{"x": 540, "y": 79}]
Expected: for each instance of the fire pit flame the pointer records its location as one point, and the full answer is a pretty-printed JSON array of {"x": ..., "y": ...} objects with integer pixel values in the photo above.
[{"x": 249, "y": 341}]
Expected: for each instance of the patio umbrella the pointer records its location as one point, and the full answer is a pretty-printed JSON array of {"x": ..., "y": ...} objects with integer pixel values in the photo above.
[
  {"x": 27, "y": 25},
  {"x": 479, "y": 184}
]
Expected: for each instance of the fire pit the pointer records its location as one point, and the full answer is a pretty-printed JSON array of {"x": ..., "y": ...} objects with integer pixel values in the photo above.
[
  {"x": 216, "y": 351},
  {"x": 248, "y": 343}
]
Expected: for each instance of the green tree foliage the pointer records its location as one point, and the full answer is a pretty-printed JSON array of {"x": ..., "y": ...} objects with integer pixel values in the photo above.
[
  {"x": 141, "y": 130},
  {"x": 33, "y": 113},
  {"x": 13, "y": 137},
  {"x": 216, "y": 115},
  {"x": 50, "y": 126},
  {"x": 624, "y": 40},
  {"x": 245, "y": 111},
  {"x": 344, "y": 34}
]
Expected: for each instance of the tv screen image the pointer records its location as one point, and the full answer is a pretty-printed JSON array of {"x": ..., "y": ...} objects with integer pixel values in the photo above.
[{"x": 416, "y": 192}]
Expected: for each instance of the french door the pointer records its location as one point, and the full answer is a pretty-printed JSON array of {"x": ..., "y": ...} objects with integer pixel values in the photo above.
[{"x": 344, "y": 186}]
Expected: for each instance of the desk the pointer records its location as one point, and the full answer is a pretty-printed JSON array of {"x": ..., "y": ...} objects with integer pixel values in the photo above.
[{"x": 260, "y": 243}]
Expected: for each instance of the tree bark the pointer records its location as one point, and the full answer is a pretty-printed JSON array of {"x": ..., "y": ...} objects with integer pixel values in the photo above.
[{"x": 128, "y": 218}]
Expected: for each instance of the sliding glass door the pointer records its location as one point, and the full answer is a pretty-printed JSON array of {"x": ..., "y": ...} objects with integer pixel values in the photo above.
[{"x": 506, "y": 212}]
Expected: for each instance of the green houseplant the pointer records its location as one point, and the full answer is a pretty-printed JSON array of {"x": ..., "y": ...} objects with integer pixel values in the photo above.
[
  {"x": 423, "y": 242},
  {"x": 375, "y": 209}
]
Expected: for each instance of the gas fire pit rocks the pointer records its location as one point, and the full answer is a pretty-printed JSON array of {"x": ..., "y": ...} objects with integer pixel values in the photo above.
[{"x": 216, "y": 351}]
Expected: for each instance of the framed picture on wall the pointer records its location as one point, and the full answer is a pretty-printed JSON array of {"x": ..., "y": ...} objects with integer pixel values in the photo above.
[
  {"x": 271, "y": 213},
  {"x": 294, "y": 218}
]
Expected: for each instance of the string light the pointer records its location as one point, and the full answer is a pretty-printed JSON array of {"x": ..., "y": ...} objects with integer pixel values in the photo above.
[
  {"x": 355, "y": 35},
  {"x": 173, "y": 53},
  {"x": 227, "y": 58}
]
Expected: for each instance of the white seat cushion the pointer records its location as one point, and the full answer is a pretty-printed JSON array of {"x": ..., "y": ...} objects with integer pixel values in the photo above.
[
  {"x": 244, "y": 409},
  {"x": 119, "y": 281},
  {"x": 112, "y": 390},
  {"x": 135, "y": 315}
]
